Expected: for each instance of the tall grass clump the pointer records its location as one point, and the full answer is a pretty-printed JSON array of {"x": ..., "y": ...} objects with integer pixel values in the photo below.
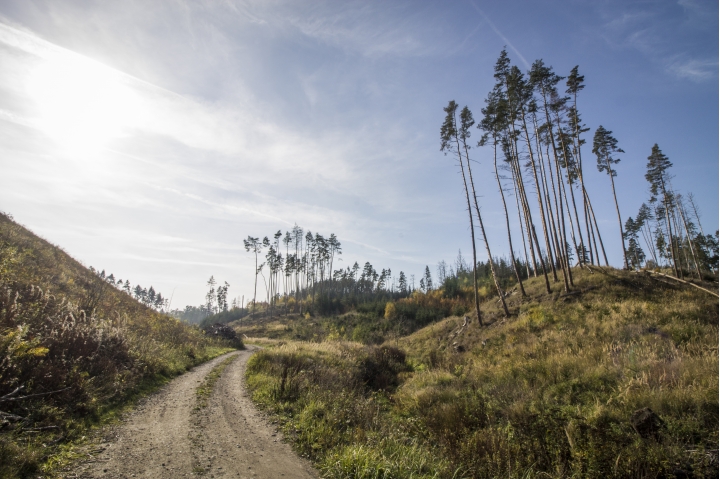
[{"x": 333, "y": 401}]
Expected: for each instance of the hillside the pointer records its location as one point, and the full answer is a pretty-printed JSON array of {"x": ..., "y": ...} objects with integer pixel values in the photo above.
[
  {"x": 617, "y": 379},
  {"x": 74, "y": 350}
]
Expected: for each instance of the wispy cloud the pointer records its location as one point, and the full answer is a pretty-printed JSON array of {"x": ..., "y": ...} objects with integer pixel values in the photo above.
[
  {"x": 500, "y": 34},
  {"x": 666, "y": 36},
  {"x": 694, "y": 69},
  {"x": 371, "y": 29}
]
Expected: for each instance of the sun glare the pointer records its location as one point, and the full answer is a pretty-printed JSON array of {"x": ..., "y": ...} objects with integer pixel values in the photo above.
[{"x": 82, "y": 104}]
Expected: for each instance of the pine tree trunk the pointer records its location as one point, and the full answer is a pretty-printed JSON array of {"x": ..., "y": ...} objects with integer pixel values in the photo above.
[
  {"x": 501, "y": 295},
  {"x": 472, "y": 234},
  {"x": 681, "y": 250},
  {"x": 647, "y": 236},
  {"x": 532, "y": 236},
  {"x": 561, "y": 213},
  {"x": 583, "y": 247},
  {"x": 560, "y": 196},
  {"x": 255, "y": 292},
  {"x": 507, "y": 222},
  {"x": 617, "y": 208},
  {"x": 697, "y": 216},
  {"x": 586, "y": 200},
  {"x": 561, "y": 136},
  {"x": 539, "y": 198},
  {"x": 669, "y": 226},
  {"x": 689, "y": 239},
  {"x": 602, "y": 246},
  {"x": 558, "y": 234},
  {"x": 522, "y": 231}
]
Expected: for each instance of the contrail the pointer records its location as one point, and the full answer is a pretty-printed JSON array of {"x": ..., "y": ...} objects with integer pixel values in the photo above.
[{"x": 504, "y": 39}]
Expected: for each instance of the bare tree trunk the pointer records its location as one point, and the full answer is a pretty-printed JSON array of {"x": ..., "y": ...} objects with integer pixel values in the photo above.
[
  {"x": 602, "y": 246},
  {"x": 472, "y": 231},
  {"x": 522, "y": 231},
  {"x": 539, "y": 197},
  {"x": 507, "y": 222},
  {"x": 561, "y": 136},
  {"x": 647, "y": 236},
  {"x": 558, "y": 230},
  {"x": 531, "y": 228},
  {"x": 561, "y": 218},
  {"x": 681, "y": 250},
  {"x": 592, "y": 241},
  {"x": 669, "y": 226},
  {"x": 577, "y": 220},
  {"x": 501, "y": 295},
  {"x": 697, "y": 216},
  {"x": 563, "y": 190},
  {"x": 689, "y": 238},
  {"x": 617, "y": 208},
  {"x": 472, "y": 235},
  {"x": 588, "y": 226}
]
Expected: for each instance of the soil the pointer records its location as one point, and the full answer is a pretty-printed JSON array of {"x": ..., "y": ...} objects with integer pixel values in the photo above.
[{"x": 168, "y": 437}]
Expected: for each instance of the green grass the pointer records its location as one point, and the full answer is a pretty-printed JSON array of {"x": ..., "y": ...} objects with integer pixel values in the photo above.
[
  {"x": 548, "y": 392},
  {"x": 204, "y": 391}
]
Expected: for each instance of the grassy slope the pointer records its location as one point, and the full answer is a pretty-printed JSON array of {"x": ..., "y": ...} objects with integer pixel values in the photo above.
[
  {"x": 66, "y": 332},
  {"x": 549, "y": 391}
]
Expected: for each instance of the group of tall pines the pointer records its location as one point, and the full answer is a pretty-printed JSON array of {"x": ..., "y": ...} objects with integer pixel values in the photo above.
[
  {"x": 305, "y": 274},
  {"x": 533, "y": 125}
]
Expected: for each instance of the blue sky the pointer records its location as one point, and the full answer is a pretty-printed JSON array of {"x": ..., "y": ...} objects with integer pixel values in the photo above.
[{"x": 150, "y": 138}]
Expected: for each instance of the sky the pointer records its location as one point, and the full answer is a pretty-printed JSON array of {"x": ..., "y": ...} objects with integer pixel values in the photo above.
[{"x": 149, "y": 139}]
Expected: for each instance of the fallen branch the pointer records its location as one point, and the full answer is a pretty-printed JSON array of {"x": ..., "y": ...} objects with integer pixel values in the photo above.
[
  {"x": 13, "y": 417},
  {"x": 686, "y": 282},
  {"x": 462, "y": 328},
  {"x": 44, "y": 428},
  {"x": 6, "y": 398},
  {"x": 11, "y": 394}
]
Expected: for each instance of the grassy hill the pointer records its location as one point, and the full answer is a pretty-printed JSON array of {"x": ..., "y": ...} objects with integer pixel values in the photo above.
[
  {"x": 617, "y": 379},
  {"x": 73, "y": 351}
]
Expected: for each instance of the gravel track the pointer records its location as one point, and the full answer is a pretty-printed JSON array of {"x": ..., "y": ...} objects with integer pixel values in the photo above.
[{"x": 167, "y": 437}]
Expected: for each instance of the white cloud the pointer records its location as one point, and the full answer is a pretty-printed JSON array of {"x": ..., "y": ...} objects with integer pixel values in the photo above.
[{"x": 694, "y": 69}]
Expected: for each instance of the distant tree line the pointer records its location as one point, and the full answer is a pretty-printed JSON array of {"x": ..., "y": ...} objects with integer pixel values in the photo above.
[
  {"x": 216, "y": 305},
  {"x": 147, "y": 296},
  {"x": 300, "y": 268}
]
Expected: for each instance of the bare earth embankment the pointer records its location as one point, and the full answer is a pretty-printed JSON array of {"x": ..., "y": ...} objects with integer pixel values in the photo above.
[{"x": 172, "y": 434}]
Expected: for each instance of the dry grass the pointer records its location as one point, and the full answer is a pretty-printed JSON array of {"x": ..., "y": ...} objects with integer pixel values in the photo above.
[
  {"x": 546, "y": 392},
  {"x": 73, "y": 351}
]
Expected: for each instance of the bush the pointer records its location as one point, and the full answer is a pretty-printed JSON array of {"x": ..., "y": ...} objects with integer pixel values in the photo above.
[{"x": 379, "y": 367}]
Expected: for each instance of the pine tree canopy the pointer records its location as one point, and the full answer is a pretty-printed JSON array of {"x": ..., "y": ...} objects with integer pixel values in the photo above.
[
  {"x": 656, "y": 169},
  {"x": 604, "y": 146}
]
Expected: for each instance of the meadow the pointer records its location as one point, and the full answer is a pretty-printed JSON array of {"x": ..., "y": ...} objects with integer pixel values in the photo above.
[{"x": 619, "y": 379}]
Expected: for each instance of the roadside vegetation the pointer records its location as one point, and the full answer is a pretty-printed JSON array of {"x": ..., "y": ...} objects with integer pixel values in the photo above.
[
  {"x": 617, "y": 379},
  {"x": 74, "y": 350}
]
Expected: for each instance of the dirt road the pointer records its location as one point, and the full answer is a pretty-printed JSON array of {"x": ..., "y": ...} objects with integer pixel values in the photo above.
[{"x": 168, "y": 437}]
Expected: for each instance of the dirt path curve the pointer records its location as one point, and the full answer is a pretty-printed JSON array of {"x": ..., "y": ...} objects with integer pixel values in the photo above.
[{"x": 167, "y": 438}]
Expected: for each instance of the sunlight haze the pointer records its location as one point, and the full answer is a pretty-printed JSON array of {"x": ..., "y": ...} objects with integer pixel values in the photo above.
[{"x": 149, "y": 139}]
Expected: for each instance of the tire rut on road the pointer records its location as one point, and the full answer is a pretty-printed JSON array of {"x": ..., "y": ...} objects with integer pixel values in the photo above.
[{"x": 168, "y": 437}]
